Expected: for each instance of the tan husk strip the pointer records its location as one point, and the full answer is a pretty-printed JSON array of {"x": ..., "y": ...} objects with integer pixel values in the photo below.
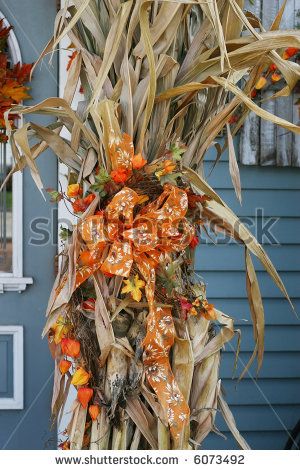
[{"x": 169, "y": 73}]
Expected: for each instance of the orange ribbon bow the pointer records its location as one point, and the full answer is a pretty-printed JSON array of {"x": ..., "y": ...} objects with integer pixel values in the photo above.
[{"x": 159, "y": 228}]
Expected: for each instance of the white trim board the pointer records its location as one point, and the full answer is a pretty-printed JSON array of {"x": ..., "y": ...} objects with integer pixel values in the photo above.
[
  {"x": 14, "y": 281},
  {"x": 17, "y": 401}
]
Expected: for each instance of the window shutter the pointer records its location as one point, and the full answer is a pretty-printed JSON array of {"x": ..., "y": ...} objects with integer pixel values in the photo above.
[{"x": 262, "y": 142}]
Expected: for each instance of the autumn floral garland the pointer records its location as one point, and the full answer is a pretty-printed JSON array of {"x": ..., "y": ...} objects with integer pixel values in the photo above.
[
  {"x": 137, "y": 253},
  {"x": 12, "y": 80}
]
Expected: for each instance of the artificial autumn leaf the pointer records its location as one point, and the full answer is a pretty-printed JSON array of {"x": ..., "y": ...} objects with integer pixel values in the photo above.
[
  {"x": 94, "y": 411},
  {"x": 55, "y": 196},
  {"x": 138, "y": 162},
  {"x": 80, "y": 377},
  {"x": 70, "y": 347},
  {"x": 65, "y": 445},
  {"x": 193, "y": 312},
  {"x": 134, "y": 286},
  {"x": 60, "y": 329},
  {"x": 208, "y": 311},
  {"x": 20, "y": 72},
  {"x": 101, "y": 179},
  {"x": 12, "y": 89},
  {"x": 74, "y": 190},
  {"x": 194, "y": 199},
  {"x": 167, "y": 277},
  {"x": 261, "y": 83},
  {"x": 170, "y": 178},
  {"x": 194, "y": 242},
  {"x": 176, "y": 151},
  {"x": 80, "y": 205},
  {"x": 64, "y": 233},
  {"x": 4, "y": 31},
  {"x": 64, "y": 366},
  {"x": 168, "y": 167},
  {"x": 84, "y": 395},
  {"x": 120, "y": 176}
]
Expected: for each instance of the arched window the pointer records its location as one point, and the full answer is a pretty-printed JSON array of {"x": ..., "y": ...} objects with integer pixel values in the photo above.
[{"x": 11, "y": 206}]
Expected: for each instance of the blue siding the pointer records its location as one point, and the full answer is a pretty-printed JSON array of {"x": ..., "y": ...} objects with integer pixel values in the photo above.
[
  {"x": 266, "y": 408},
  {"x": 30, "y": 428}
]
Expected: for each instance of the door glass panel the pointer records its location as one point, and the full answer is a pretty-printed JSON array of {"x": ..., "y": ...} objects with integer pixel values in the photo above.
[{"x": 5, "y": 210}]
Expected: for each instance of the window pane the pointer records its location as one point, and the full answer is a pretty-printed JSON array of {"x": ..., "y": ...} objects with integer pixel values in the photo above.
[{"x": 5, "y": 210}]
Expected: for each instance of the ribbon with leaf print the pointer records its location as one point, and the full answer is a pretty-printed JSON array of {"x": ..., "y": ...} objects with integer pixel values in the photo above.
[{"x": 159, "y": 228}]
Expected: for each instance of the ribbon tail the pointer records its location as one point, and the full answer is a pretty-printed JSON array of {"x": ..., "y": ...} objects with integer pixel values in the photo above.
[{"x": 157, "y": 344}]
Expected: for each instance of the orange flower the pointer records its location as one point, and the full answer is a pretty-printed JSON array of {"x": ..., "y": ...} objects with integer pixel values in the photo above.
[
  {"x": 120, "y": 176},
  {"x": 209, "y": 311},
  {"x": 64, "y": 366},
  {"x": 261, "y": 83},
  {"x": 70, "y": 347},
  {"x": 290, "y": 52},
  {"x": 86, "y": 258},
  {"x": 74, "y": 190},
  {"x": 168, "y": 167},
  {"x": 138, "y": 162},
  {"x": 80, "y": 205},
  {"x": 81, "y": 377},
  {"x": 89, "y": 199},
  {"x": 276, "y": 77},
  {"x": 84, "y": 395},
  {"x": 94, "y": 411},
  {"x": 273, "y": 68}
]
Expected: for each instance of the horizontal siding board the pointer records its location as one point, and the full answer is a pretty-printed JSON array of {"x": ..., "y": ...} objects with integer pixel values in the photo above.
[
  {"x": 276, "y": 190},
  {"x": 262, "y": 418},
  {"x": 267, "y": 440},
  {"x": 277, "y": 339},
  {"x": 276, "y": 365},
  {"x": 232, "y": 284},
  {"x": 220, "y": 257},
  {"x": 261, "y": 392},
  {"x": 274, "y": 203},
  {"x": 277, "y": 311},
  {"x": 285, "y": 230},
  {"x": 253, "y": 177}
]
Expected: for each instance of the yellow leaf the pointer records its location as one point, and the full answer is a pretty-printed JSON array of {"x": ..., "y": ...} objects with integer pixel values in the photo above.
[
  {"x": 134, "y": 286},
  {"x": 15, "y": 91},
  {"x": 60, "y": 329}
]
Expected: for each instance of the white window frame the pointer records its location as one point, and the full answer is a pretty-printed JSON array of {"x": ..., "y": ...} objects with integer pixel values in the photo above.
[
  {"x": 16, "y": 402},
  {"x": 15, "y": 281}
]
